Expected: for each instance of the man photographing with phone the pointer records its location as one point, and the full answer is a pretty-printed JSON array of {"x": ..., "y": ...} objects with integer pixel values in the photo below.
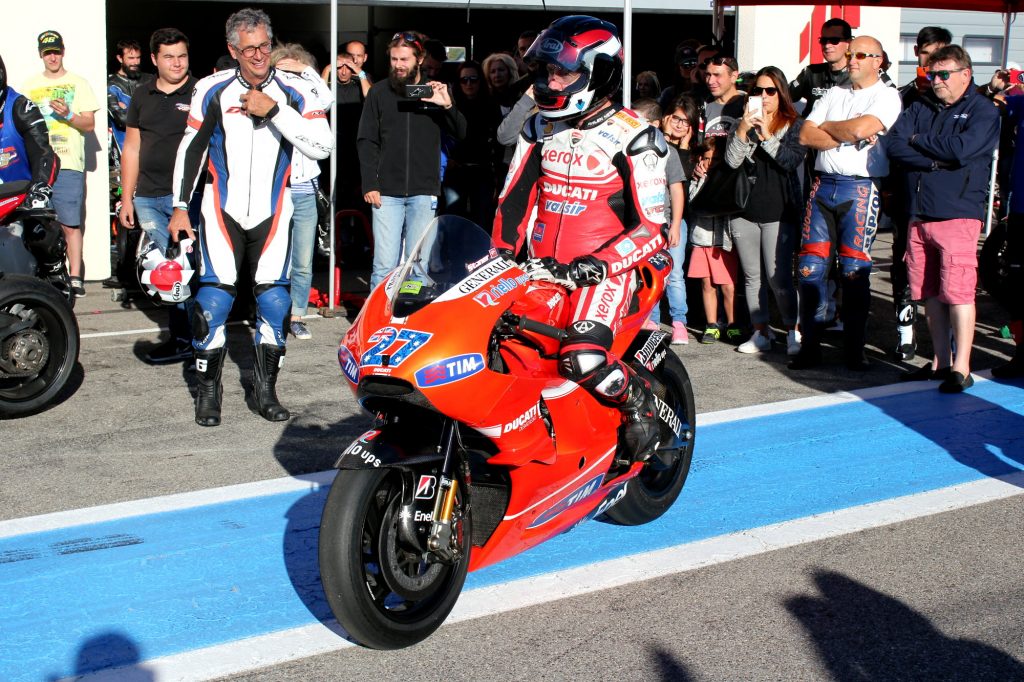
[{"x": 399, "y": 144}]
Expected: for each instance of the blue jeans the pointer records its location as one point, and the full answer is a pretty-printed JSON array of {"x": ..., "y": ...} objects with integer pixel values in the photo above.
[
  {"x": 675, "y": 288},
  {"x": 152, "y": 215},
  {"x": 304, "y": 219},
  {"x": 398, "y": 219}
]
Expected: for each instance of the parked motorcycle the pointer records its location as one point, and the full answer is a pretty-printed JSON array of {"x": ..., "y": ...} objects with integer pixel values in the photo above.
[
  {"x": 479, "y": 449},
  {"x": 39, "y": 338}
]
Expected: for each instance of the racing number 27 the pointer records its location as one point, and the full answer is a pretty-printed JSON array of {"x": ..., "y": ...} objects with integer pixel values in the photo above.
[{"x": 384, "y": 339}]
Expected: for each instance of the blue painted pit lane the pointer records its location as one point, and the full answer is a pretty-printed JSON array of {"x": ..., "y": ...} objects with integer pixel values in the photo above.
[{"x": 88, "y": 597}]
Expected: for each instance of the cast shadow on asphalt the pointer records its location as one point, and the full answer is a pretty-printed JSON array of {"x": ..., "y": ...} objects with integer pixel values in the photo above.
[
  {"x": 862, "y": 634},
  {"x": 304, "y": 449},
  {"x": 670, "y": 668},
  {"x": 110, "y": 650},
  {"x": 976, "y": 432}
]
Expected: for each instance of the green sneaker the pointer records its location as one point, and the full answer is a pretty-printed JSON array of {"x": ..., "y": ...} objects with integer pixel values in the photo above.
[
  {"x": 734, "y": 335},
  {"x": 711, "y": 334}
]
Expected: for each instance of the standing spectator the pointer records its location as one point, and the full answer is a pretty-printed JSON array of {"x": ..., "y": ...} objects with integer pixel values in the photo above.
[
  {"x": 435, "y": 55},
  {"x": 675, "y": 202},
  {"x": 647, "y": 86},
  {"x": 724, "y": 109},
  {"x": 842, "y": 211},
  {"x": 814, "y": 81},
  {"x": 250, "y": 122},
  {"x": 469, "y": 179},
  {"x": 523, "y": 43},
  {"x": 500, "y": 71},
  {"x": 945, "y": 142},
  {"x": 303, "y": 186},
  {"x": 400, "y": 153},
  {"x": 353, "y": 86},
  {"x": 765, "y": 234},
  {"x": 155, "y": 123},
  {"x": 929, "y": 39},
  {"x": 686, "y": 65},
  {"x": 121, "y": 86},
  {"x": 679, "y": 126},
  {"x": 508, "y": 133},
  {"x": 69, "y": 106},
  {"x": 712, "y": 259}
]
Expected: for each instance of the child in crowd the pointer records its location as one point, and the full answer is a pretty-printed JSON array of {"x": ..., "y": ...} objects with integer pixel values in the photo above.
[
  {"x": 712, "y": 259},
  {"x": 675, "y": 201}
]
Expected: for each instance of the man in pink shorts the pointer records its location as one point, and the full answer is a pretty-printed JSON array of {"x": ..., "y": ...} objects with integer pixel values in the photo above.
[{"x": 945, "y": 140}]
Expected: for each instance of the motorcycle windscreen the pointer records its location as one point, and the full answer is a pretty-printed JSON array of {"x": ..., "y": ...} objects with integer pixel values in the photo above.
[{"x": 450, "y": 249}]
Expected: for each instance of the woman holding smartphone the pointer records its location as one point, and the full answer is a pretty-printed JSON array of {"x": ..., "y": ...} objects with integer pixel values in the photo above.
[{"x": 765, "y": 234}]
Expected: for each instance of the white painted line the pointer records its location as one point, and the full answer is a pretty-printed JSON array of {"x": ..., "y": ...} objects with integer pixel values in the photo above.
[
  {"x": 811, "y": 402},
  {"x": 311, "y": 640},
  {"x": 157, "y": 330},
  {"x": 165, "y": 503},
  {"x": 199, "y": 498}
]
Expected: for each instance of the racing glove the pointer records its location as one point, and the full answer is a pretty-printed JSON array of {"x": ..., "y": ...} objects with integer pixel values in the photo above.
[
  {"x": 39, "y": 195},
  {"x": 584, "y": 271}
]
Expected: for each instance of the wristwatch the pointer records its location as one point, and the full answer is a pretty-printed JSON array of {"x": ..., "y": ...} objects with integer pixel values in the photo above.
[{"x": 361, "y": 75}]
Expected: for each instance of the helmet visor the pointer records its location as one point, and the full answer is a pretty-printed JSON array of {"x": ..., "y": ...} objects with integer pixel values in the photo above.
[{"x": 567, "y": 52}]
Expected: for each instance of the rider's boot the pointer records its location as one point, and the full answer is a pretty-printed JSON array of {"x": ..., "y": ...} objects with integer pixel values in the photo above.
[
  {"x": 640, "y": 432},
  {"x": 209, "y": 364},
  {"x": 264, "y": 382}
]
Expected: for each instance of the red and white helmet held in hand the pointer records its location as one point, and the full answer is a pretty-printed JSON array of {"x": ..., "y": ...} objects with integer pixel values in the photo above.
[
  {"x": 577, "y": 44},
  {"x": 168, "y": 277}
]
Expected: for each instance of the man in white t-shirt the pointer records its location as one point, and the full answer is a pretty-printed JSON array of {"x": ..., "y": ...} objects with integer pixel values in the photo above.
[{"x": 845, "y": 127}]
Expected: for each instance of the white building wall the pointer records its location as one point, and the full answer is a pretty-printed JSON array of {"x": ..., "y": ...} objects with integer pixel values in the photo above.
[
  {"x": 981, "y": 29},
  {"x": 82, "y": 23},
  {"x": 779, "y": 35}
]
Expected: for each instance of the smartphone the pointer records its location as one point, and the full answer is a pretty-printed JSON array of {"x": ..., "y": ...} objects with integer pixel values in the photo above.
[
  {"x": 418, "y": 91},
  {"x": 754, "y": 105}
]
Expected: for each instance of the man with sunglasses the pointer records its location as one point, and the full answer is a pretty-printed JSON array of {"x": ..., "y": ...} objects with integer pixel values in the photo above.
[
  {"x": 686, "y": 65},
  {"x": 929, "y": 39},
  {"x": 842, "y": 211},
  {"x": 945, "y": 142},
  {"x": 815, "y": 79},
  {"x": 69, "y": 106},
  {"x": 249, "y": 122}
]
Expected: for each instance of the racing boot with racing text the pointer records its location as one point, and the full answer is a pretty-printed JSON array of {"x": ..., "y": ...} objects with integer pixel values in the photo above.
[
  {"x": 209, "y": 364},
  {"x": 640, "y": 432},
  {"x": 264, "y": 382}
]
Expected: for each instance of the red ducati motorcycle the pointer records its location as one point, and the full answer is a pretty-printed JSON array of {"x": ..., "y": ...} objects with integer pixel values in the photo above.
[
  {"x": 38, "y": 332},
  {"x": 479, "y": 449}
]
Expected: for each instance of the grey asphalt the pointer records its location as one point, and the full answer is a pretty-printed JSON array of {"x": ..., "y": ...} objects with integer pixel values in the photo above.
[{"x": 934, "y": 598}]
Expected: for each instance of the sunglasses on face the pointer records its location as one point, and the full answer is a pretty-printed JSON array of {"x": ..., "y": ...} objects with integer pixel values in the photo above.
[
  {"x": 688, "y": 63},
  {"x": 861, "y": 56},
  {"x": 830, "y": 40},
  {"x": 942, "y": 75},
  {"x": 469, "y": 79},
  {"x": 409, "y": 38},
  {"x": 770, "y": 91},
  {"x": 248, "y": 52}
]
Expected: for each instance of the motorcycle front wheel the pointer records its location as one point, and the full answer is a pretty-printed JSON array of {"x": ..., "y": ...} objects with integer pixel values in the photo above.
[
  {"x": 653, "y": 491},
  {"x": 382, "y": 591},
  {"x": 38, "y": 344}
]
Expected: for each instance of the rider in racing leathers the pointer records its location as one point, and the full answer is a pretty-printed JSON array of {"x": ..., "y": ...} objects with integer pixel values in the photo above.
[
  {"x": 249, "y": 120},
  {"x": 26, "y": 155},
  {"x": 596, "y": 175}
]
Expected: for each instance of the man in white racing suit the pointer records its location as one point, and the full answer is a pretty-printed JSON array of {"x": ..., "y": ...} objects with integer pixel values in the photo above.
[
  {"x": 596, "y": 175},
  {"x": 247, "y": 121}
]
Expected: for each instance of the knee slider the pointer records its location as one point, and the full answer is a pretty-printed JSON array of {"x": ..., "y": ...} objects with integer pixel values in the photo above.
[
  {"x": 811, "y": 268},
  {"x": 852, "y": 268},
  {"x": 274, "y": 305},
  {"x": 209, "y": 314}
]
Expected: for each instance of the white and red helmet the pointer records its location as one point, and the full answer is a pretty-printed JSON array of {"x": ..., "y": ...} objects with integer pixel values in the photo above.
[
  {"x": 167, "y": 277},
  {"x": 582, "y": 44}
]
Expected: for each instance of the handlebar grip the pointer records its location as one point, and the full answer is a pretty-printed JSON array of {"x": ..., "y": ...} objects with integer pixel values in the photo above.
[{"x": 526, "y": 324}]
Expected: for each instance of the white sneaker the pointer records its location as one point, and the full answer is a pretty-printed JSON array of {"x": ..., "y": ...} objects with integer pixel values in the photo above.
[
  {"x": 793, "y": 340},
  {"x": 758, "y": 343}
]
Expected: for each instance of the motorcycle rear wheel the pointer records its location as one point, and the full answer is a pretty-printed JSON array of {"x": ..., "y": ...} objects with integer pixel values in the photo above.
[
  {"x": 381, "y": 591},
  {"x": 655, "y": 489},
  {"x": 53, "y": 331}
]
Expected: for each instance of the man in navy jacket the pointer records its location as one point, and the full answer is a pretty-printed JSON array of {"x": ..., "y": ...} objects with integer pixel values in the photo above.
[{"x": 945, "y": 142}]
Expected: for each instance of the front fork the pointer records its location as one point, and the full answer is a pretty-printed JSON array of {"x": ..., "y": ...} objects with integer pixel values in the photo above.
[{"x": 440, "y": 541}]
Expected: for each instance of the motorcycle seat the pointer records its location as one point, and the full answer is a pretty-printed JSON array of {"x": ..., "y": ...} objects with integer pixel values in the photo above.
[{"x": 13, "y": 189}]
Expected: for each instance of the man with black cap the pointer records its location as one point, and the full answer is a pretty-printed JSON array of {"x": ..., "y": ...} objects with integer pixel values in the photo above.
[
  {"x": 69, "y": 106},
  {"x": 686, "y": 63}
]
